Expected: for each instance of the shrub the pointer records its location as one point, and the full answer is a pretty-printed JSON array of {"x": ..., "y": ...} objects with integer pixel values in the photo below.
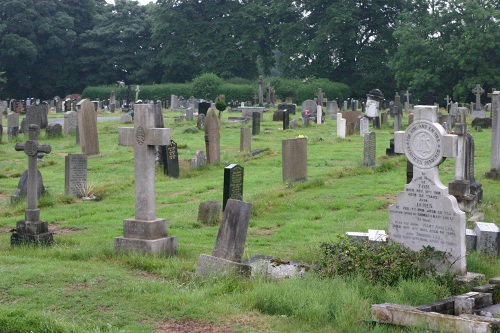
[{"x": 207, "y": 86}]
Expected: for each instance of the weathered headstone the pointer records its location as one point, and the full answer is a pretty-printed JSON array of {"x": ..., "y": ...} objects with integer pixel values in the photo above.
[
  {"x": 36, "y": 114},
  {"x": 495, "y": 137},
  {"x": 311, "y": 106},
  {"x": 32, "y": 229},
  {"x": 425, "y": 214},
  {"x": 70, "y": 122},
  {"x": 370, "y": 149},
  {"x": 488, "y": 238},
  {"x": 22, "y": 187},
  {"x": 319, "y": 114},
  {"x": 293, "y": 123},
  {"x": 364, "y": 126},
  {"x": 286, "y": 120},
  {"x": 255, "y": 123},
  {"x": 12, "y": 125},
  {"x": 198, "y": 160},
  {"x": 261, "y": 90},
  {"x": 54, "y": 130},
  {"x": 145, "y": 232},
  {"x": 230, "y": 244},
  {"x": 112, "y": 101},
  {"x": 172, "y": 161},
  {"x": 200, "y": 123},
  {"x": 75, "y": 174},
  {"x": 212, "y": 137},
  {"x": 478, "y": 91},
  {"x": 208, "y": 212},
  {"x": 189, "y": 114},
  {"x": 233, "y": 183},
  {"x": 87, "y": 128},
  {"x": 341, "y": 126},
  {"x": 278, "y": 115},
  {"x": 294, "y": 159},
  {"x": 245, "y": 139}
]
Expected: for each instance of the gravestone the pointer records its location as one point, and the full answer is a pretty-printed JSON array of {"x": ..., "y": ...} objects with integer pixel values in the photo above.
[
  {"x": 161, "y": 151},
  {"x": 488, "y": 238},
  {"x": 255, "y": 123},
  {"x": 291, "y": 108},
  {"x": 293, "y": 123},
  {"x": 145, "y": 232},
  {"x": 189, "y": 114},
  {"x": 212, "y": 137},
  {"x": 54, "y": 130},
  {"x": 278, "y": 115},
  {"x": 75, "y": 174},
  {"x": 396, "y": 112},
  {"x": 245, "y": 139},
  {"x": 12, "y": 125},
  {"x": 311, "y": 106},
  {"x": 332, "y": 108},
  {"x": 200, "y": 123},
  {"x": 230, "y": 244},
  {"x": 370, "y": 149},
  {"x": 341, "y": 126},
  {"x": 112, "y": 101},
  {"x": 70, "y": 122},
  {"x": 36, "y": 115},
  {"x": 22, "y": 187},
  {"x": 87, "y": 128},
  {"x": 67, "y": 105},
  {"x": 174, "y": 102},
  {"x": 261, "y": 92},
  {"x": 294, "y": 159},
  {"x": 198, "y": 160},
  {"x": 319, "y": 115},
  {"x": 172, "y": 161},
  {"x": 425, "y": 214},
  {"x": 233, "y": 183},
  {"x": 203, "y": 108},
  {"x": 208, "y": 212},
  {"x": 32, "y": 230},
  {"x": 478, "y": 91},
  {"x": 494, "y": 172},
  {"x": 364, "y": 127},
  {"x": 374, "y": 99},
  {"x": 286, "y": 120}
]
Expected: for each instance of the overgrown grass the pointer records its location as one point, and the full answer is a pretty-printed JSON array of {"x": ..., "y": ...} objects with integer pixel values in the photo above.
[{"x": 80, "y": 284}]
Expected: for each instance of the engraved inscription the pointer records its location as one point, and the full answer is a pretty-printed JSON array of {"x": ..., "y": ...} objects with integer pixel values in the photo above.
[
  {"x": 140, "y": 135},
  {"x": 423, "y": 145}
]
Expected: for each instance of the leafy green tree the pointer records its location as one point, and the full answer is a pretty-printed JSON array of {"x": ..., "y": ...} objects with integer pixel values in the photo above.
[{"x": 207, "y": 86}]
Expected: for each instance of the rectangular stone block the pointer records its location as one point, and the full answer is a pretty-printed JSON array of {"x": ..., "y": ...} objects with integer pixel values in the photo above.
[
  {"x": 167, "y": 245},
  {"x": 488, "y": 238},
  {"x": 133, "y": 228}
]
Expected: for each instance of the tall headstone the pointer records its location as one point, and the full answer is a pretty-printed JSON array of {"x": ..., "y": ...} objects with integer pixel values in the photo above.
[
  {"x": 36, "y": 115},
  {"x": 233, "y": 183},
  {"x": 407, "y": 103},
  {"x": 87, "y": 128},
  {"x": 364, "y": 126},
  {"x": 12, "y": 125},
  {"x": 212, "y": 137},
  {"x": 172, "y": 161},
  {"x": 32, "y": 229},
  {"x": 286, "y": 120},
  {"x": 374, "y": 99},
  {"x": 75, "y": 174},
  {"x": 112, "y": 101},
  {"x": 396, "y": 112},
  {"x": 495, "y": 137},
  {"x": 478, "y": 91},
  {"x": 145, "y": 232},
  {"x": 255, "y": 123},
  {"x": 341, "y": 126},
  {"x": 370, "y": 149},
  {"x": 425, "y": 214},
  {"x": 200, "y": 123},
  {"x": 294, "y": 159},
  {"x": 261, "y": 90},
  {"x": 245, "y": 139},
  {"x": 319, "y": 115},
  {"x": 198, "y": 160}
]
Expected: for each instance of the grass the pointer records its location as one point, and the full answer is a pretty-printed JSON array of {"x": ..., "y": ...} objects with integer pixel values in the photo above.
[{"x": 80, "y": 284}]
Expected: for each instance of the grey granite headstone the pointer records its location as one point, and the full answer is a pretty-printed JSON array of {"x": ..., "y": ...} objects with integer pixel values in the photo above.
[
  {"x": 12, "y": 125},
  {"x": 370, "y": 149},
  {"x": 488, "y": 238},
  {"x": 311, "y": 106},
  {"x": 75, "y": 174},
  {"x": 245, "y": 139},
  {"x": 22, "y": 187},
  {"x": 294, "y": 159},
  {"x": 70, "y": 122},
  {"x": 189, "y": 114},
  {"x": 212, "y": 137},
  {"x": 126, "y": 119},
  {"x": 87, "y": 128},
  {"x": 425, "y": 214},
  {"x": 198, "y": 160},
  {"x": 209, "y": 211},
  {"x": 54, "y": 130}
]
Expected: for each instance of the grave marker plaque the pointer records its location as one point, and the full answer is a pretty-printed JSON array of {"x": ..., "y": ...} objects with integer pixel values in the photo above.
[
  {"x": 370, "y": 149},
  {"x": 75, "y": 180},
  {"x": 233, "y": 183}
]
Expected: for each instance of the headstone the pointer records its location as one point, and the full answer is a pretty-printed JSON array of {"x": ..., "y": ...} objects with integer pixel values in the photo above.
[
  {"x": 174, "y": 102},
  {"x": 478, "y": 91},
  {"x": 374, "y": 98},
  {"x": 294, "y": 159},
  {"x": 70, "y": 122},
  {"x": 425, "y": 214},
  {"x": 54, "y": 130},
  {"x": 208, "y": 212},
  {"x": 286, "y": 120},
  {"x": 364, "y": 126},
  {"x": 319, "y": 115},
  {"x": 255, "y": 123},
  {"x": 407, "y": 103},
  {"x": 233, "y": 183},
  {"x": 112, "y": 101},
  {"x": 32, "y": 230},
  {"x": 230, "y": 244},
  {"x": 12, "y": 125},
  {"x": 145, "y": 232},
  {"x": 67, "y": 105},
  {"x": 291, "y": 108},
  {"x": 189, "y": 114},
  {"x": 396, "y": 112},
  {"x": 22, "y": 187},
  {"x": 341, "y": 126},
  {"x": 332, "y": 107},
  {"x": 370, "y": 149},
  {"x": 311, "y": 106},
  {"x": 212, "y": 137},
  {"x": 200, "y": 123},
  {"x": 278, "y": 115},
  {"x": 294, "y": 123},
  {"x": 261, "y": 92},
  {"x": 198, "y": 160},
  {"x": 75, "y": 174},
  {"x": 495, "y": 137},
  {"x": 245, "y": 139},
  {"x": 383, "y": 118},
  {"x": 203, "y": 108},
  {"x": 87, "y": 128},
  {"x": 172, "y": 161},
  {"x": 36, "y": 115},
  {"x": 488, "y": 238}
]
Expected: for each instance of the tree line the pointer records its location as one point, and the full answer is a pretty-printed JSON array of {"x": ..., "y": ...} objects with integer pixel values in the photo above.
[{"x": 58, "y": 47}]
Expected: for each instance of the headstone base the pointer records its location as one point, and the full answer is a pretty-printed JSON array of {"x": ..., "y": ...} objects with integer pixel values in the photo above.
[
  {"x": 167, "y": 245},
  {"x": 149, "y": 230},
  {"x": 31, "y": 233},
  {"x": 214, "y": 266}
]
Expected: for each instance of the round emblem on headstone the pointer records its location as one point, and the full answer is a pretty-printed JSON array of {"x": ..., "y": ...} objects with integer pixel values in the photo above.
[
  {"x": 140, "y": 135},
  {"x": 423, "y": 144},
  {"x": 31, "y": 148}
]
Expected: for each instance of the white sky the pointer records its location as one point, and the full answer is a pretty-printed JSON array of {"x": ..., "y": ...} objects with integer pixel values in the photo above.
[{"x": 142, "y": 2}]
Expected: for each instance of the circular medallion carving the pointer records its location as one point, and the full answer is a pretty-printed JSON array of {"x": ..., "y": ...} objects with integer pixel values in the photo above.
[
  {"x": 423, "y": 144},
  {"x": 140, "y": 135},
  {"x": 31, "y": 148}
]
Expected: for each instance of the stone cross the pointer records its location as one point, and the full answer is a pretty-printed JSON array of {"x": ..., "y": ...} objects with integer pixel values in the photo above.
[
  {"x": 32, "y": 148},
  {"x": 397, "y": 110},
  {"x": 495, "y": 137},
  {"x": 268, "y": 97},
  {"x": 407, "y": 94},
  {"x": 320, "y": 95},
  {"x": 261, "y": 93},
  {"x": 137, "y": 89},
  {"x": 448, "y": 100},
  {"x": 478, "y": 91},
  {"x": 144, "y": 137}
]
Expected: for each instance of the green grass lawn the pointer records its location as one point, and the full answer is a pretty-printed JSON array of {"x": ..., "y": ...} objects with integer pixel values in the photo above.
[{"x": 80, "y": 284}]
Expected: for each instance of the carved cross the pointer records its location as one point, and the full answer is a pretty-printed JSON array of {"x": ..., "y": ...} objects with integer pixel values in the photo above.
[
  {"x": 144, "y": 137},
  {"x": 32, "y": 148},
  {"x": 478, "y": 91},
  {"x": 448, "y": 100}
]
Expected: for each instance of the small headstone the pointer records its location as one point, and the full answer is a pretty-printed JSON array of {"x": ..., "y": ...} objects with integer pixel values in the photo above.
[
  {"x": 209, "y": 212},
  {"x": 126, "y": 119},
  {"x": 370, "y": 149},
  {"x": 172, "y": 161},
  {"x": 189, "y": 114},
  {"x": 255, "y": 123},
  {"x": 341, "y": 126},
  {"x": 278, "y": 115},
  {"x": 22, "y": 187},
  {"x": 286, "y": 120},
  {"x": 212, "y": 137},
  {"x": 203, "y": 108},
  {"x": 294, "y": 123},
  {"x": 87, "y": 128},
  {"x": 311, "y": 106},
  {"x": 294, "y": 159},
  {"x": 364, "y": 126},
  {"x": 245, "y": 139},
  {"x": 233, "y": 183},
  {"x": 12, "y": 125},
  {"x": 200, "y": 123},
  {"x": 54, "y": 130},
  {"x": 75, "y": 175},
  {"x": 488, "y": 238},
  {"x": 198, "y": 160}
]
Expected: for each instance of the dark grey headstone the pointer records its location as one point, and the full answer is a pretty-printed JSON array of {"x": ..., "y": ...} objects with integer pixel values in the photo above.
[
  {"x": 233, "y": 183},
  {"x": 172, "y": 160},
  {"x": 255, "y": 123},
  {"x": 203, "y": 108},
  {"x": 54, "y": 130},
  {"x": 370, "y": 149},
  {"x": 291, "y": 108},
  {"x": 286, "y": 120},
  {"x": 22, "y": 186},
  {"x": 75, "y": 174}
]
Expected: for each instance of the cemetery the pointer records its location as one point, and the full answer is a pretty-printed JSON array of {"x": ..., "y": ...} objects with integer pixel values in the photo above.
[{"x": 234, "y": 233}]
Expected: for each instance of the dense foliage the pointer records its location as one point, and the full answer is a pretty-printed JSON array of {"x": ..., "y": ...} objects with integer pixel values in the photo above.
[{"x": 56, "y": 47}]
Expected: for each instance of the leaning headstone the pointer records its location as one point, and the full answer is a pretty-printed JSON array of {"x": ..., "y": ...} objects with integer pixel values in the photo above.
[
  {"x": 341, "y": 126},
  {"x": 212, "y": 137},
  {"x": 209, "y": 212},
  {"x": 495, "y": 137},
  {"x": 32, "y": 230},
  {"x": 488, "y": 238},
  {"x": 75, "y": 174},
  {"x": 70, "y": 122},
  {"x": 230, "y": 244},
  {"x": 198, "y": 160},
  {"x": 54, "y": 130},
  {"x": 233, "y": 183},
  {"x": 245, "y": 139},
  {"x": 12, "y": 125},
  {"x": 87, "y": 128},
  {"x": 145, "y": 232},
  {"x": 255, "y": 123},
  {"x": 425, "y": 214},
  {"x": 370, "y": 149},
  {"x": 294, "y": 159},
  {"x": 172, "y": 161}
]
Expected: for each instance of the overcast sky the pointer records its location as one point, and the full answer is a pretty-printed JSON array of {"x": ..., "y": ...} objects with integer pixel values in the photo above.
[{"x": 142, "y": 2}]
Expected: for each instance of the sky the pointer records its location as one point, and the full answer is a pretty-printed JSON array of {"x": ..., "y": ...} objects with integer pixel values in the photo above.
[{"x": 142, "y": 2}]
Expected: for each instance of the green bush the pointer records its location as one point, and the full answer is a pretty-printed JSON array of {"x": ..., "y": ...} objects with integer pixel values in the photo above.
[
  {"x": 380, "y": 262},
  {"x": 239, "y": 92},
  {"x": 207, "y": 86}
]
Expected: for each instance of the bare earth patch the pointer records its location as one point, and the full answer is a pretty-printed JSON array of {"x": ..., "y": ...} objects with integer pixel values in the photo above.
[
  {"x": 261, "y": 232},
  {"x": 189, "y": 326}
]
